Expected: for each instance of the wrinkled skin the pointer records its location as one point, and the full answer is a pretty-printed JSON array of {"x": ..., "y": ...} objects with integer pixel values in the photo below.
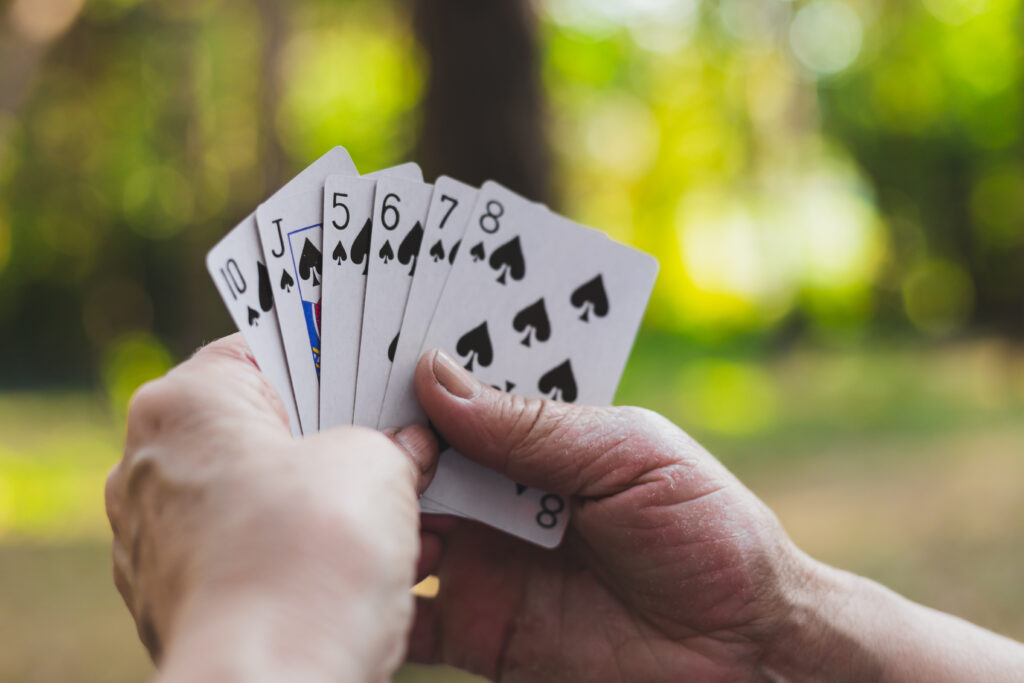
[
  {"x": 670, "y": 564},
  {"x": 246, "y": 555},
  {"x": 229, "y": 534}
]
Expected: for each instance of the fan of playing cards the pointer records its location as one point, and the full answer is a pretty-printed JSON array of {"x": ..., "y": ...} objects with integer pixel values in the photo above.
[{"x": 339, "y": 282}]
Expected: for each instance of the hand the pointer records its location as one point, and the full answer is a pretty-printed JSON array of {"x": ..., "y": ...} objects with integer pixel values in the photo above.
[
  {"x": 670, "y": 565},
  {"x": 671, "y": 569},
  {"x": 244, "y": 554}
]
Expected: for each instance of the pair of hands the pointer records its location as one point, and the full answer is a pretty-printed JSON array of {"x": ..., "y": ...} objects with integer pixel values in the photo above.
[{"x": 244, "y": 554}]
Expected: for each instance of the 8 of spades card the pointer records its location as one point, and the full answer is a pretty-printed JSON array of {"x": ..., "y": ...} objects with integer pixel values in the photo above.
[{"x": 542, "y": 307}]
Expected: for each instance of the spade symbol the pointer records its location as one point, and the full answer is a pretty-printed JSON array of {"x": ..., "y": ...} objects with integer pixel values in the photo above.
[
  {"x": 559, "y": 383},
  {"x": 254, "y": 315},
  {"x": 453, "y": 252},
  {"x": 534, "y": 321},
  {"x": 520, "y": 488},
  {"x": 392, "y": 347},
  {"x": 310, "y": 262},
  {"x": 509, "y": 386},
  {"x": 477, "y": 252},
  {"x": 286, "y": 281},
  {"x": 590, "y": 296},
  {"x": 361, "y": 246},
  {"x": 385, "y": 252},
  {"x": 409, "y": 249},
  {"x": 508, "y": 259},
  {"x": 437, "y": 251},
  {"x": 339, "y": 254},
  {"x": 476, "y": 344},
  {"x": 266, "y": 293}
]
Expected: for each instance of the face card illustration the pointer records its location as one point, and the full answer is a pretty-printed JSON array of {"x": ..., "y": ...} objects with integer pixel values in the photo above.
[
  {"x": 243, "y": 282},
  {"x": 348, "y": 212},
  {"x": 263, "y": 334},
  {"x": 299, "y": 268},
  {"x": 400, "y": 208},
  {"x": 543, "y": 308},
  {"x": 450, "y": 207}
]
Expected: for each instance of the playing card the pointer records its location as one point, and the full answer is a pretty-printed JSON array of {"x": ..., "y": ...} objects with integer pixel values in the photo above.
[
  {"x": 236, "y": 266},
  {"x": 292, "y": 224},
  {"x": 399, "y": 209},
  {"x": 450, "y": 207},
  {"x": 239, "y": 272},
  {"x": 542, "y": 307},
  {"x": 348, "y": 212}
]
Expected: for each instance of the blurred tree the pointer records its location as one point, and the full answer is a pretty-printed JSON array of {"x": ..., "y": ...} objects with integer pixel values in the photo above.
[
  {"x": 936, "y": 119},
  {"x": 483, "y": 111}
]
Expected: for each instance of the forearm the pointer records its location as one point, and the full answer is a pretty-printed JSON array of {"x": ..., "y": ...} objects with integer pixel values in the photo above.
[
  {"x": 846, "y": 628},
  {"x": 261, "y": 640}
]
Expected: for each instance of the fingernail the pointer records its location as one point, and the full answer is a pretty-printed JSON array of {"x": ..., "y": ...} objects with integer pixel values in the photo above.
[{"x": 453, "y": 377}]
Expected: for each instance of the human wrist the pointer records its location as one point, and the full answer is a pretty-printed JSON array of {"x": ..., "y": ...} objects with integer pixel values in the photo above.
[
  {"x": 816, "y": 637},
  {"x": 253, "y": 637}
]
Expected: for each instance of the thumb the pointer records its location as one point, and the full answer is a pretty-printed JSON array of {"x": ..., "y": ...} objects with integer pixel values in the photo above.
[{"x": 557, "y": 447}]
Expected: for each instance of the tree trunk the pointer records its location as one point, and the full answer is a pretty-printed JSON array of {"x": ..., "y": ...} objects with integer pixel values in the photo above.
[{"x": 483, "y": 113}]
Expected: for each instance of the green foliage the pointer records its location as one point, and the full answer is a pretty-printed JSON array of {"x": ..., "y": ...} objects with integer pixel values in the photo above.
[{"x": 834, "y": 167}]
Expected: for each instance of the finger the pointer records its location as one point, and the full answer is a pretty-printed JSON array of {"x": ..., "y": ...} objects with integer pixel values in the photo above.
[
  {"x": 441, "y": 525},
  {"x": 559, "y": 447},
  {"x": 122, "y": 572},
  {"x": 420, "y": 445},
  {"x": 113, "y": 497},
  {"x": 224, "y": 375}
]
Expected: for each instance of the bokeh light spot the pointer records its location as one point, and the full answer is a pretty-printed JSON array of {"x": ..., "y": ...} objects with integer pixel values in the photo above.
[
  {"x": 43, "y": 20},
  {"x": 938, "y": 297},
  {"x": 623, "y": 136},
  {"x": 132, "y": 360},
  {"x": 956, "y": 12},
  {"x": 826, "y": 36},
  {"x": 997, "y": 206},
  {"x": 728, "y": 397}
]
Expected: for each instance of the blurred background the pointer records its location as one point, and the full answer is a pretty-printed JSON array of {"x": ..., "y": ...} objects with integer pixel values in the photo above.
[{"x": 834, "y": 188}]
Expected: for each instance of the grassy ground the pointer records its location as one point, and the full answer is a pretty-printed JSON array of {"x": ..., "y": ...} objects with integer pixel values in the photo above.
[{"x": 906, "y": 465}]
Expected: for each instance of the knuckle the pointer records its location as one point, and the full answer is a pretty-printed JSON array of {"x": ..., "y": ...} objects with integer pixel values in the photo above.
[
  {"x": 232, "y": 347},
  {"x": 147, "y": 404},
  {"x": 148, "y": 411},
  {"x": 642, "y": 419},
  {"x": 535, "y": 424},
  {"x": 112, "y": 491},
  {"x": 653, "y": 435},
  {"x": 228, "y": 365}
]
